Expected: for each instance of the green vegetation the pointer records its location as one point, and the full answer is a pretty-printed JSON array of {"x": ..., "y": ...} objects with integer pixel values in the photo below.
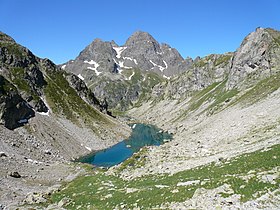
[
  {"x": 219, "y": 98},
  {"x": 149, "y": 80},
  {"x": 5, "y": 86},
  {"x": 223, "y": 59},
  {"x": 261, "y": 90},
  {"x": 121, "y": 93},
  {"x": 18, "y": 77},
  {"x": 201, "y": 63},
  {"x": 275, "y": 34},
  {"x": 137, "y": 160},
  {"x": 215, "y": 95},
  {"x": 13, "y": 49},
  {"x": 243, "y": 174},
  {"x": 64, "y": 100}
]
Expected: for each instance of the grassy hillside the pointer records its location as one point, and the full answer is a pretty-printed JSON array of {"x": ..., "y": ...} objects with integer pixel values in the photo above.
[{"x": 244, "y": 176}]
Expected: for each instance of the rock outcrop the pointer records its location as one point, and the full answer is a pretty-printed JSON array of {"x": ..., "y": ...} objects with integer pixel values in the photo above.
[
  {"x": 14, "y": 111},
  {"x": 22, "y": 68},
  {"x": 257, "y": 57}
]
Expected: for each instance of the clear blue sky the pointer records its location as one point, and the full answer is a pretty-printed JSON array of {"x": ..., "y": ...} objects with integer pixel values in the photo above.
[{"x": 60, "y": 29}]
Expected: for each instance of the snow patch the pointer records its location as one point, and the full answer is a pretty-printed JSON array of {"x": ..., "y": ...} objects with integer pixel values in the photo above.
[
  {"x": 94, "y": 69},
  {"x": 121, "y": 65},
  {"x": 166, "y": 66},
  {"x": 166, "y": 77},
  {"x": 119, "y": 51},
  {"x": 96, "y": 65},
  {"x": 23, "y": 121},
  {"x": 88, "y": 148},
  {"x": 34, "y": 161},
  {"x": 132, "y": 59},
  {"x": 63, "y": 67},
  {"x": 81, "y": 77},
  {"x": 131, "y": 76},
  {"x": 161, "y": 68},
  {"x": 92, "y": 62},
  {"x": 44, "y": 113}
]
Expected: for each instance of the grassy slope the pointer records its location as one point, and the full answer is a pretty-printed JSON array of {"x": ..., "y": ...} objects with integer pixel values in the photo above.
[
  {"x": 243, "y": 174},
  {"x": 65, "y": 101}
]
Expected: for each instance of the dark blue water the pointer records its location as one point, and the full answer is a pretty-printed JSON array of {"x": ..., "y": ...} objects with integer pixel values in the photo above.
[{"x": 142, "y": 135}]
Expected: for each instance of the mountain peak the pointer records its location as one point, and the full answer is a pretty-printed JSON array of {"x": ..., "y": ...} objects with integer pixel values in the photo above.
[{"x": 140, "y": 37}]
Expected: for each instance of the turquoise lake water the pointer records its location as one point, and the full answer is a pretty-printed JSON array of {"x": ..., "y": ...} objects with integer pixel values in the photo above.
[{"x": 142, "y": 135}]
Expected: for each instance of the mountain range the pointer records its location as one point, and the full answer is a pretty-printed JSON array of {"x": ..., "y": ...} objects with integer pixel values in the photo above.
[{"x": 220, "y": 109}]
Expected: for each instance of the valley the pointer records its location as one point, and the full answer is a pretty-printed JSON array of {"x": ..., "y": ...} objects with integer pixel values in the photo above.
[{"x": 221, "y": 110}]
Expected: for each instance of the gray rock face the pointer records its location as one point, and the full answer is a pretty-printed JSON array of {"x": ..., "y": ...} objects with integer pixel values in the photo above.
[
  {"x": 86, "y": 94},
  {"x": 14, "y": 111},
  {"x": 96, "y": 57},
  {"x": 102, "y": 63},
  {"x": 143, "y": 48},
  {"x": 202, "y": 73},
  {"x": 140, "y": 51},
  {"x": 257, "y": 57},
  {"x": 22, "y": 68}
]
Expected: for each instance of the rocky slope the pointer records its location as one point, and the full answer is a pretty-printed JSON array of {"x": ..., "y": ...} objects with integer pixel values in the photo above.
[
  {"x": 222, "y": 107},
  {"x": 125, "y": 74},
  {"x": 48, "y": 117}
]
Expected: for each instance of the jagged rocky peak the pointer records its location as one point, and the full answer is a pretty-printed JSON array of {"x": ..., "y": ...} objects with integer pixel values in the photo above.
[
  {"x": 140, "y": 51},
  {"x": 257, "y": 57},
  {"x": 97, "y": 50},
  {"x": 95, "y": 59},
  {"x": 143, "y": 39}
]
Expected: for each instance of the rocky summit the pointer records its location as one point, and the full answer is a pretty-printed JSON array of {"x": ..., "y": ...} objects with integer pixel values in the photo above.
[
  {"x": 222, "y": 111},
  {"x": 141, "y": 51},
  {"x": 141, "y": 62}
]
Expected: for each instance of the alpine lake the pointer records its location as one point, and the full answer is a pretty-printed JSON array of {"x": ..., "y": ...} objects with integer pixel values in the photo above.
[{"x": 142, "y": 135}]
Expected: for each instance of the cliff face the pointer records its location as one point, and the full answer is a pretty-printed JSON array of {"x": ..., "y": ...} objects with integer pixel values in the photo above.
[
  {"x": 14, "y": 110},
  {"x": 256, "y": 58}
]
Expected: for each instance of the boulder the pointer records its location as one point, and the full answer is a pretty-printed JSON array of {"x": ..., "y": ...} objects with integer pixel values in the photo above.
[
  {"x": 15, "y": 174},
  {"x": 3, "y": 154}
]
